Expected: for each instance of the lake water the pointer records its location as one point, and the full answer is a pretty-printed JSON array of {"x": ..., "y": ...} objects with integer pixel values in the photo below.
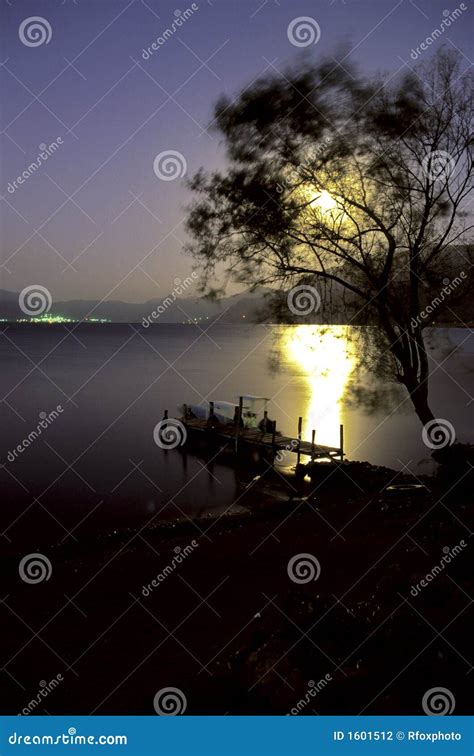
[{"x": 96, "y": 465}]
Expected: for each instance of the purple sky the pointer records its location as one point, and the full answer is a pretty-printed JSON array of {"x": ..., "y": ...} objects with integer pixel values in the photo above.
[{"x": 96, "y": 203}]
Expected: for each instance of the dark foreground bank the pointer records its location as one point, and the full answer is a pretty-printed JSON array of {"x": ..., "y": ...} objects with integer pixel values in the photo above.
[{"x": 340, "y": 595}]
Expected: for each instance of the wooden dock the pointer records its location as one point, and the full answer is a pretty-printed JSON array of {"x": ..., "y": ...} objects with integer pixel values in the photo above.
[
  {"x": 272, "y": 443},
  {"x": 264, "y": 439}
]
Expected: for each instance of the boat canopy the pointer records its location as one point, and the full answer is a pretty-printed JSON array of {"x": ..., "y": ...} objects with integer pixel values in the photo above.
[
  {"x": 253, "y": 408},
  {"x": 223, "y": 411}
]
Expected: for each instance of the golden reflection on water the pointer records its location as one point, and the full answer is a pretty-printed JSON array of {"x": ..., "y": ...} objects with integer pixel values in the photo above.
[{"x": 326, "y": 356}]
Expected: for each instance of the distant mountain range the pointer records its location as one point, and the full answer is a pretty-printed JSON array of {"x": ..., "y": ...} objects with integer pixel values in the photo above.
[
  {"x": 235, "y": 309},
  {"x": 253, "y": 307}
]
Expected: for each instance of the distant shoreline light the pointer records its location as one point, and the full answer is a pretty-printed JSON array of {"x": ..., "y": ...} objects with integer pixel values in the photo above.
[{"x": 53, "y": 319}]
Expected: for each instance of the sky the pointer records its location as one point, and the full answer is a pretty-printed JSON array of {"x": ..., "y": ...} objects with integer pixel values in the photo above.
[{"x": 102, "y": 217}]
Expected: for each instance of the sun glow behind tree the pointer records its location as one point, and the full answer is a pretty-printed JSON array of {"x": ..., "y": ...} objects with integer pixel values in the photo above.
[{"x": 323, "y": 201}]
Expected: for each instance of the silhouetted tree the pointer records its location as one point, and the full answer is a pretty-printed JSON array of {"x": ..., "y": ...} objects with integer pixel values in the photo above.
[{"x": 334, "y": 179}]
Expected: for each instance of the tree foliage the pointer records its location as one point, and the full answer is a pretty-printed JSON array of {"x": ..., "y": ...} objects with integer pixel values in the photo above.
[{"x": 339, "y": 182}]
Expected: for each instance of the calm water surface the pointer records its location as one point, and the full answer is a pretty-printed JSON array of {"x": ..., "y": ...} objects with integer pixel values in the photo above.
[{"x": 97, "y": 467}]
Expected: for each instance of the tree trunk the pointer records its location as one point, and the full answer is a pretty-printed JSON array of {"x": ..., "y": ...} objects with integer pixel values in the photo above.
[
  {"x": 419, "y": 398},
  {"x": 409, "y": 350}
]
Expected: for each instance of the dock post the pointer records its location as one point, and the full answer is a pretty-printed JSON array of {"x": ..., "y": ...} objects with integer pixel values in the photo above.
[
  {"x": 341, "y": 442},
  {"x": 211, "y": 409},
  {"x": 185, "y": 410},
  {"x": 300, "y": 425},
  {"x": 265, "y": 420},
  {"x": 165, "y": 415},
  {"x": 237, "y": 425},
  {"x": 273, "y": 442},
  {"x": 313, "y": 438}
]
